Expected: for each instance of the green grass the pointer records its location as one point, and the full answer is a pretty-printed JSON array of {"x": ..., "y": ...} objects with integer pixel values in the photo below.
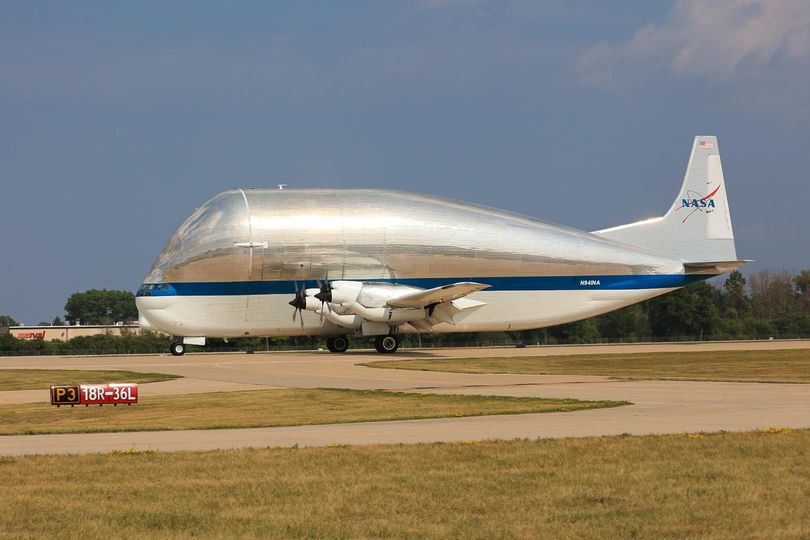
[
  {"x": 787, "y": 366},
  {"x": 36, "y": 379},
  {"x": 264, "y": 408},
  {"x": 745, "y": 485}
]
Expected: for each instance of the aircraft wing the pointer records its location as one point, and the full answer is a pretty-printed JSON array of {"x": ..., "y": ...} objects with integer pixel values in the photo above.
[{"x": 436, "y": 295}]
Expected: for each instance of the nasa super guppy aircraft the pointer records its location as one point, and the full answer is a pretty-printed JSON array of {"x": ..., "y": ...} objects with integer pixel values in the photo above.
[{"x": 339, "y": 263}]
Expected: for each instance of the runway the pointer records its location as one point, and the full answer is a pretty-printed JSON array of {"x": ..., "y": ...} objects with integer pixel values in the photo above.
[{"x": 658, "y": 406}]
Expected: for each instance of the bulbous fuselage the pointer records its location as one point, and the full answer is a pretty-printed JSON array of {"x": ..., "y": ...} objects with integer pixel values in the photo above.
[
  {"x": 233, "y": 266},
  {"x": 375, "y": 234}
]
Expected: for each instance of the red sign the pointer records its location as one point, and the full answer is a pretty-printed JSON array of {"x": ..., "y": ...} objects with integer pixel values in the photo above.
[
  {"x": 95, "y": 394},
  {"x": 31, "y": 335},
  {"x": 108, "y": 394}
]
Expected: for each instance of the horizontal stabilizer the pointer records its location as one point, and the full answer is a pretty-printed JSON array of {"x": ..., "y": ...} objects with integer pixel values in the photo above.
[
  {"x": 436, "y": 295},
  {"x": 713, "y": 267}
]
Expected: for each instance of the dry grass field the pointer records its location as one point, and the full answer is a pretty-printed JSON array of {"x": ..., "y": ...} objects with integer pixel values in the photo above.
[
  {"x": 35, "y": 379},
  {"x": 265, "y": 408},
  {"x": 784, "y": 366},
  {"x": 746, "y": 485}
]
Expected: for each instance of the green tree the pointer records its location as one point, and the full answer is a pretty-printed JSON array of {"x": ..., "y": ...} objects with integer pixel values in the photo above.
[
  {"x": 101, "y": 306},
  {"x": 6, "y": 320},
  {"x": 735, "y": 300},
  {"x": 9, "y": 343},
  {"x": 688, "y": 312},
  {"x": 791, "y": 325},
  {"x": 585, "y": 331},
  {"x": 57, "y": 321},
  {"x": 772, "y": 294},
  {"x": 626, "y": 324},
  {"x": 802, "y": 282}
]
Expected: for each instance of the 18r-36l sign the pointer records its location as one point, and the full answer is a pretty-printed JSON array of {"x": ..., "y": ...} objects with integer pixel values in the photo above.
[{"x": 94, "y": 394}]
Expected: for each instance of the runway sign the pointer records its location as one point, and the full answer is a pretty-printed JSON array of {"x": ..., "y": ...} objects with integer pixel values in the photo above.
[
  {"x": 65, "y": 395},
  {"x": 94, "y": 394}
]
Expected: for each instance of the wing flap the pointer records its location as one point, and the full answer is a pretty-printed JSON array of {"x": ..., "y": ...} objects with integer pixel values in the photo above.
[{"x": 436, "y": 295}]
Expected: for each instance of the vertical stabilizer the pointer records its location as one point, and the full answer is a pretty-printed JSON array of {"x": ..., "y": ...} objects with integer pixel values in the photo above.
[{"x": 697, "y": 226}]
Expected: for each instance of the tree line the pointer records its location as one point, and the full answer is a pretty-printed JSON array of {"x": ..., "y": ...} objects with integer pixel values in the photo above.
[{"x": 769, "y": 304}]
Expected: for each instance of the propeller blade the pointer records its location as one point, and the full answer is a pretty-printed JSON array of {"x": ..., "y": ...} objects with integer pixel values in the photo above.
[
  {"x": 325, "y": 294},
  {"x": 299, "y": 303}
]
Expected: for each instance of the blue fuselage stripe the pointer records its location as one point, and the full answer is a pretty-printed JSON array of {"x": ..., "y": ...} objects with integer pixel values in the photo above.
[{"x": 528, "y": 283}]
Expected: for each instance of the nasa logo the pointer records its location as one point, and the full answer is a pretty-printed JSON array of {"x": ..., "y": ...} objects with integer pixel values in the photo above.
[
  {"x": 698, "y": 203},
  {"x": 589, "y": 282}
]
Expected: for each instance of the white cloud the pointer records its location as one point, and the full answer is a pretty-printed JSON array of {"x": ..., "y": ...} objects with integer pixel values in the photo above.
[{"x": 709, "y": 40}]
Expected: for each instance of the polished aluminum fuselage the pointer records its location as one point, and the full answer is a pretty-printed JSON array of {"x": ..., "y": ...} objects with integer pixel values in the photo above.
[
  {"x": 376, "y": 234},
  {"x": 265, "y": 243}
]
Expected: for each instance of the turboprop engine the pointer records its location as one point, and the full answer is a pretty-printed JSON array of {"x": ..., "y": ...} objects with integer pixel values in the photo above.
[{"x": 371, "y": 308}]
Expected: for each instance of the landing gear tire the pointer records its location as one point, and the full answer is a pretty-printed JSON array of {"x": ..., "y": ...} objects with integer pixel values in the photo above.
[
  {"x": 178, "y": 349},
  {"x": 337, "y": 344},
  {"x": 386, "y": 344}
]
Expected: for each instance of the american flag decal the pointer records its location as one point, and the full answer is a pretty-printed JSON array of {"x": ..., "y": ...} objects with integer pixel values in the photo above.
[{"x": 706, "y": 145}]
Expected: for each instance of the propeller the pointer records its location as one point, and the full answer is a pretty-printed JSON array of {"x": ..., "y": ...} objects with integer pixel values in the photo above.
[
  {"x": 299, "y": 303},
  {"x": 325, "y": 296}
]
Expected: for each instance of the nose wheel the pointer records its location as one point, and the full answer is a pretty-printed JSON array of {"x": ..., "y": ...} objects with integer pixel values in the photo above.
[
  {"x": 177, "y": 349},
  {"x": 386, "y": 344},
  {"x": 337, "y": 344}
]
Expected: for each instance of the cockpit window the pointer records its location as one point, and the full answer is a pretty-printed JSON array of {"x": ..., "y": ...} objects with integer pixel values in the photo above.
[{"x": 147, "y": 288}]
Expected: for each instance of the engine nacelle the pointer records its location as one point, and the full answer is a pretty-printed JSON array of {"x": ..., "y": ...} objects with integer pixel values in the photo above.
[{"x": 345, "y": 292}]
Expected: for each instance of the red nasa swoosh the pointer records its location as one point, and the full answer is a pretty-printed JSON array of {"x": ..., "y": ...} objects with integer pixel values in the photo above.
[{"x": 710, "y": 195}]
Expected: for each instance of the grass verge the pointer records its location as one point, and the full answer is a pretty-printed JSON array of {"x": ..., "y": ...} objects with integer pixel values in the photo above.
[
  {"x": 266, "y": 408},
  {"x": 36, "y": 379},
  {"x": 742, "y": 485},
  {"x": 785, "y": 366}
]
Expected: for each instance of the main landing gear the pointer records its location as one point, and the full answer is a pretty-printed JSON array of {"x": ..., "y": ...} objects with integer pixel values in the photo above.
[
  {"x": 386, "y": 344},
  {"x": 337, "y": 344}
]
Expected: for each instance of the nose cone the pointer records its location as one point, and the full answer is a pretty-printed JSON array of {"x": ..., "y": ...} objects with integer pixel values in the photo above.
[
  {"x": 143, "y": 322},
  {"x": 155, "y": 313}
]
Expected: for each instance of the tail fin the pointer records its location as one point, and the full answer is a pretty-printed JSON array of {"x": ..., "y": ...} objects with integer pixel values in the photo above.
[{"x": 697, "y": 228}]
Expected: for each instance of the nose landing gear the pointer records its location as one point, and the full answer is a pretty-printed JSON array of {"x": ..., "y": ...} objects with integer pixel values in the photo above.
[{"x": 178, "y": 348}]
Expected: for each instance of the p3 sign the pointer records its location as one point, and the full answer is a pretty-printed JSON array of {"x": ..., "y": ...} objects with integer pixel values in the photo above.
[
  {"x": 94, "y": 394},
  {"x": 65, "y": 395}
]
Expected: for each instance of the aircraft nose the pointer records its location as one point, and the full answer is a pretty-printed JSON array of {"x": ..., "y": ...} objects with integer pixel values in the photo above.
[
  {"x": 143, "y": 322},
  {"x": 154, "y": 311}
]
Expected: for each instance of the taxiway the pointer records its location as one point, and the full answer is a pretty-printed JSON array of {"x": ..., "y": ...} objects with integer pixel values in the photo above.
[{"x": 657, "y": 406}]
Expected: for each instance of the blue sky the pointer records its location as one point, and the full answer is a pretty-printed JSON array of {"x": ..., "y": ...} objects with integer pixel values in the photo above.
[{"x": 117, "y": 119}]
